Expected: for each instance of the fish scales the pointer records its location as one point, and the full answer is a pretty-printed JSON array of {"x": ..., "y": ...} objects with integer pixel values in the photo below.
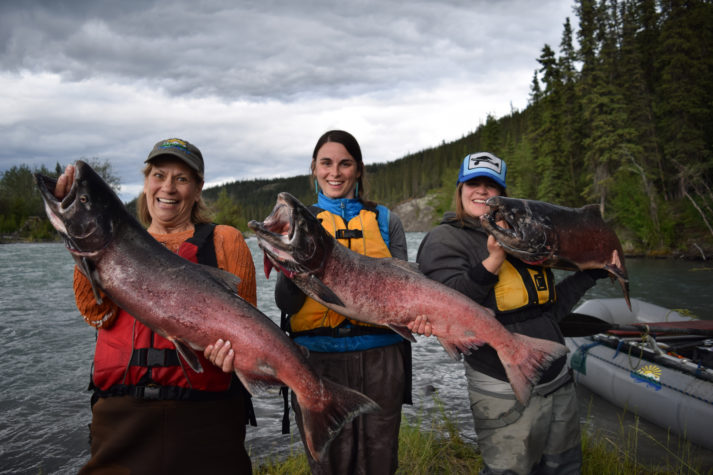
[
  {"x": 190, "y": 304},
  {"x": 556, "y": 236},
  {"x": 392, "y": 293}
]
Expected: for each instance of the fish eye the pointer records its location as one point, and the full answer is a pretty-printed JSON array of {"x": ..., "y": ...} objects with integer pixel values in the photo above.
[{"x": 83, "y": 199}]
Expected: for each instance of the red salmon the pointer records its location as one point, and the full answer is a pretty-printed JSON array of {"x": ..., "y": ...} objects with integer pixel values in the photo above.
[
  {"x": 392, "y": 293},
  {"x": 190, "y": 304}
]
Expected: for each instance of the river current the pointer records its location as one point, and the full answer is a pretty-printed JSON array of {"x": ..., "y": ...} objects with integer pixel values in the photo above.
[{"x": 46, "y": 351}]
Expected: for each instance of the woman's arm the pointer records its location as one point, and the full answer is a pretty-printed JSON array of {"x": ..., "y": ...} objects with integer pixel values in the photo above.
[
  {"x": 397, "y": 238},
  {"x": 233, "y": 255},
  {"x": 454, "y": 257},
  {"x": 97, "y": 315},
  {"x": 572, "y": 288}
]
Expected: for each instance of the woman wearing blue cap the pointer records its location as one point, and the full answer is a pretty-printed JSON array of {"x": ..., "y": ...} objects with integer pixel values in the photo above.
[{"x": 542, "y": 437}]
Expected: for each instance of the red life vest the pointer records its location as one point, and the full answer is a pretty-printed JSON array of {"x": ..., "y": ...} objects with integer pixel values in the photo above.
[{"x": 130, "y": 359}]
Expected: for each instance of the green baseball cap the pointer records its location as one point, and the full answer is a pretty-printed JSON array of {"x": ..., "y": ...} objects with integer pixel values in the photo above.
[{"x": 181, "y": 149}]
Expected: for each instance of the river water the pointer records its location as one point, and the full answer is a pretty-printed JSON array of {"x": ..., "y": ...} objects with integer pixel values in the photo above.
[{"x": 46, "y": 351}]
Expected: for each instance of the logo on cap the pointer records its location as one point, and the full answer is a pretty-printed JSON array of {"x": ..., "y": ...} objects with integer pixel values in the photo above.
[
  {"x": 484, "y": 161},
  {"x": 176, "y": 143},
  {"x": 482, "y": 164}
]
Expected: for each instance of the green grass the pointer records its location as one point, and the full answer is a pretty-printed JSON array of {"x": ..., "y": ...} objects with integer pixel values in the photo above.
[
  {"x": 434, "y": 446},
  {"x": 616, "y": 454}
]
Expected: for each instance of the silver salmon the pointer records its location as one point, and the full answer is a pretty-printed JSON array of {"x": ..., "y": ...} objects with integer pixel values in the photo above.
[
  {"x": 191, "y": 305},
  {"x": 556, "y": 236},
  {"x": 392, "y": 293}
]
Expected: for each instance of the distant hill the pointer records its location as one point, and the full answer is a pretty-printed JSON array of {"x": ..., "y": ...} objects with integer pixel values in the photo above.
[{"x": 623, "y": 120}]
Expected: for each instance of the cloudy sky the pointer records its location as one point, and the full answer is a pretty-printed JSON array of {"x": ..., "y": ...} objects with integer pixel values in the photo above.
[{"x": 254, "y": 83}]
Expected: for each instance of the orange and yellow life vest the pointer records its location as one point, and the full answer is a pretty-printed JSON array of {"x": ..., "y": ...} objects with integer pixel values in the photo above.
[{"x": 361, "y": 234}]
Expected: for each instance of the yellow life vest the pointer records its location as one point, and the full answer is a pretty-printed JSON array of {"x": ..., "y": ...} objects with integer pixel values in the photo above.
[
  {"x": 521, "y": 285},
  {"x": 361, "y": 235}
]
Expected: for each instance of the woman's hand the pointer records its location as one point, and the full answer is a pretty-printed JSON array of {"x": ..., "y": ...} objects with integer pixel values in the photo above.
[
  {"x": 421, "y": 326},
  {"x": 496, "y": 256},
  {"x": 64, "y": 182},
  {"x": 496, "y": 253},
  {"x": 221, "y": 355}
]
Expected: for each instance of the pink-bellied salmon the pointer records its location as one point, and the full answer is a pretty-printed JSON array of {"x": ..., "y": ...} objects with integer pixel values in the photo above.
[
  {"x": 190, "y": 304},
  {"x": 392, "y": 293}
]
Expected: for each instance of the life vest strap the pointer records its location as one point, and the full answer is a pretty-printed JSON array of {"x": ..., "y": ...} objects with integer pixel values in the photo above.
[
  {"x": 343, "y": 331},
  {"x": 155, "y": 392},
  {"x": 154, "y": 357}
]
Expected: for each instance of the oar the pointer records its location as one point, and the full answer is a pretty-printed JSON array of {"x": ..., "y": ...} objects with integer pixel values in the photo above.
[{"x": 579, "y": 324}]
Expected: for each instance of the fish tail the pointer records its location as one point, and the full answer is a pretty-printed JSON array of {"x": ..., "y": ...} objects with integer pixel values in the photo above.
[
  {"x": 323, "y": 419},
  {"x": 625, "y": 288},
  {"x": 524, "y": 365}
]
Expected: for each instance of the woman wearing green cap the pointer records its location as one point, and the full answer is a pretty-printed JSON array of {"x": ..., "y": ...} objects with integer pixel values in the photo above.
[
  {"x": 542, "y": 437},
  {"x": 151, "y": 413}
]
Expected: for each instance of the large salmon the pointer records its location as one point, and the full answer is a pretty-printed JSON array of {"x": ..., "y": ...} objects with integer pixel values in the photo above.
[
  {"x": 556, "y": 236},
  {"x": 392, "y": 293},
  {"x": 190, "y": 304}
]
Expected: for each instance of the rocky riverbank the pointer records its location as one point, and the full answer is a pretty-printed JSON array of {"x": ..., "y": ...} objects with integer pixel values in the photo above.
[{"x": 417, "y": 214}]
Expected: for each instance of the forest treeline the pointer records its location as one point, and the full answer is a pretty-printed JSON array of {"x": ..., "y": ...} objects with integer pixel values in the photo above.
[
  {"x": 620, "y": 114},
  {"x": 623, "y": 120}
]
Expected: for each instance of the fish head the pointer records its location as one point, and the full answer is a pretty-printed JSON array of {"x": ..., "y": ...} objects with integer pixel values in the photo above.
[
  {"x": 521, "y": 230},
  {"x": 292, "y": 238},
  {"x": 84, "y": 216}
]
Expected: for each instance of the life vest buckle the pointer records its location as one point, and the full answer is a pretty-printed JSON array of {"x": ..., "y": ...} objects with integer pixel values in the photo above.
[
  {"x": 150, "y": 391},
  {"x": 349, "y": 234},
  {"x": 341, "y": 332}
]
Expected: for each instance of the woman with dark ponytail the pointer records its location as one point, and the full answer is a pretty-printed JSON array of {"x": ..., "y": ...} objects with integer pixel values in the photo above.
[{"x": 370, "y": 359}]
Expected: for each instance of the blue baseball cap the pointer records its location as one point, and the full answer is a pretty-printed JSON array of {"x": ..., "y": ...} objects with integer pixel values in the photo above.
[{"x": 483, "y": 164}]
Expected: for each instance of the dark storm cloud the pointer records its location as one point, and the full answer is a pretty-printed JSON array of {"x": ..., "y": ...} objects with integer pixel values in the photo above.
[
  {"x": 263, "y": 49},
  {"x": 254, "y": 83}
]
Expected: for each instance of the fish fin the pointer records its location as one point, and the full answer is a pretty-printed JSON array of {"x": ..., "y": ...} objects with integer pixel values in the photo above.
[
  {"x": 85, "y": 267},
  {"x": 255, "y": 386},
  {"x": 618, "y": 271},
  {"x": 224, "y": 278},
  {"x": 312, "y": 286},
  {"x": 526, "y": 360},
  {"x": 324, "y": 412},
  {"x": 267, "y": 265},
  {"x": 405, "y": 265},
  {"x": 450, "y": 348},
  {"x": 188, "y": 354},
  {"x": 592, "y": 209},
  {"x": 404, "y": 332}
]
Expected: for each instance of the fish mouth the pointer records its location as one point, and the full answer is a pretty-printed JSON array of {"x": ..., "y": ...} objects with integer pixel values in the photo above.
[
  {"x": 55, "y": 208},
  {"x": 47, "y": 185},
  {"x": 61, "y": 212},
  {"x": 278, "y": 237},
  {"x": 524, "y": 236},
  {"x": 497, "y": 212}
]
